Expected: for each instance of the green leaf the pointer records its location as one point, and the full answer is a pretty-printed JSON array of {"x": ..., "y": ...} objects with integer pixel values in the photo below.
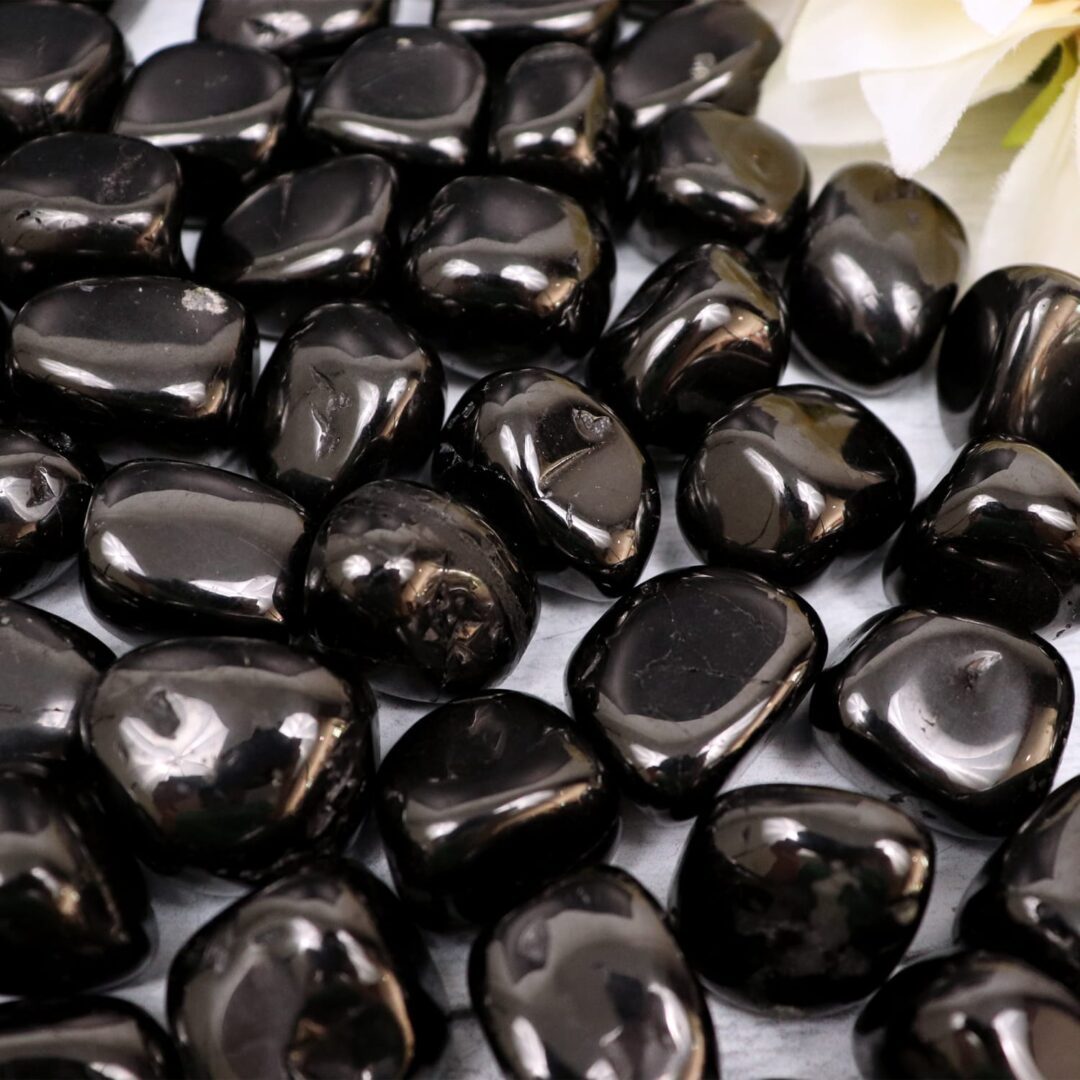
[{"x": 1018, "y": 135}]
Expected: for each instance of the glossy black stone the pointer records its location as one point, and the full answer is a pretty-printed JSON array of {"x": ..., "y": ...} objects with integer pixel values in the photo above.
[
  {"x": 60, "y": 69},
  {"x": 413, "y": 94},
  {"x": 966, "y": 719},
  {"x": 348, "y": 396},
  {"x": 83, "y": 1038},
  {"x": 964, "y": 1016},
  {"x": 1008, "y": 359},
  {"x": 158, "y": 360},
  {"x": 306, "y": 238},
  {"x": 558, "y": 475},
  {"x": 553, "y": 122},
  {"x": 230, "y": 756},
  {"x": 790, "y": 898},
  {"x": 503, "y": 273},
  {"x": 994, "y": 540},
  {"x": 316, "y": 975},
  {"x": 487, "y": 799},
  {"x": 223, "y": 110},
  {"x": 704, "y": 329},
  {"x": 651, "y": 9},
  {"x": 176, "y": 547},
  {"x": 677, "y": 680},
  {"x": 51, "y": 667},
  {"x": 792, "y": 479},
  {"x": 80, "y": 204},
  {"x": 586, "y": 979},
  {"x": 46, "y": 482},
  {"x": 418, "y": 592},
  {"x": 710, "y": 174},
  {"x": 74, "y": 912},
  {"x": 873, "y": 281},
  {"x": 716, "y": 51}
]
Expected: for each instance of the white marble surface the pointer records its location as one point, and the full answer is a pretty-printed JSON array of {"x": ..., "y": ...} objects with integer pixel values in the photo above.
[{"x": 750, "y": 1046}]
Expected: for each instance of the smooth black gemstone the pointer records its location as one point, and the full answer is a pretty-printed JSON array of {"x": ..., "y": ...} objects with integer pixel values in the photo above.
[
  {"x": 994, "y": 540},
  {"x": 681, "y": 677},
  {"x": 965, "y": 1016},
  {"x": 968, "y": 720},
  {"x": 716, "y": 51},
  {"x": 308, "y": 34},
  {"x": 348, "y": 396},
  {"x": 505, "y": 273},
  {"x": 710, "y": 174},
  {"x": 51, "y": 668},
  {"x": 306, "y": 238},
  {"x": 792, "y": 898},
  {"x": 587, "y": 980},
  {"x": 704, "y": 329},
  {"x": 83, "y": 1037},
  {"x": 792, "y": 479},
  {"x": 413, "y": 94},
  {"x": 60, "y": 69},
  {"x": 1024, "y": 902},
  {"x": 79, "y": 204},
  {"x": 559, "y": 476},
  {"x": 176, "y": 547},
  {"x": 873, "y": 281},
  {"x": 230, "y": 756},
  {"x": 223, "y": 110},
  {"x": 553, "y": 122},
  {"x": 487, "y": 799},
  {"x": 1008, "y": 359},
  {"x": 159, "y": 360},
  {"x": 46, "y": 483},
  {"x": 74, "y": 912},
  {"x": 316, "y": 975},
  {"x": 419, "y": 592}
]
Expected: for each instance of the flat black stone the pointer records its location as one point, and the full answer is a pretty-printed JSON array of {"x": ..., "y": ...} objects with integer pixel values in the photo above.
[
  {"x": 798, "y": 899},
  {"x": 586, "y": 979},
  {"x": 557, "y": 474}
]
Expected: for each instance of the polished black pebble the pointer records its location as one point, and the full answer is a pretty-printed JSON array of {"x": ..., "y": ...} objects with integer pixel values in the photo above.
[
  {"x": 83, "y": 1038},
  {"x": 503, "y": 273},
  {"x": 413, "y": 94},
  {"x": 418, "y": 592},
  {"x": 349, "y": 395},
  {"x": 709, "y": 174},
  {"x": 51, "y": 667},
  {"x": 677, "y": 680},
  {"x": 558, "y": 475},
  {"x": 587, "y": 980},
  {"x": 791, "y": 480},
  {"x": 790, "y": 898},
  {"x": 553, "y": 122},
  {"x": 74, "y": 912},
  {"x": 316, "y": 975},
  {"x": 1008, "y": 361},
  {"x": 959, "y": 720},
  {"x": 872, "y": 283},
  {"x": 174, "y": 547},
  {"x": 161, "y": 361},
  {"x": 81, "y": 204},
  {"x": 61, "y": 67},
  {"x": 651, "y": 9},
  {"x": 966, "y": 1016},
  {"x": 223, "y": 110},
  {"x": 487, "y": 799},
  {"x": 231, "y": 757},
  {"x": 46, "y": 482},
  {"x": 717, "y": 51},
  {"x": 994, "y": 540},
  {"x": 306, "y": 238},
  {"x": 704, "y": 329}
]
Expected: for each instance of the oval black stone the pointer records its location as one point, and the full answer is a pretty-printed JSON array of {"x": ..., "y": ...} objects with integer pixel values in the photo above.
[{"x": 800, "y": 899}]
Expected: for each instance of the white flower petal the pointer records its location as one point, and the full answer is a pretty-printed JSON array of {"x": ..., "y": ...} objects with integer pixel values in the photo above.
[
  {"x": 781, "y": 13},
  {"x": 994, "y": 16}
]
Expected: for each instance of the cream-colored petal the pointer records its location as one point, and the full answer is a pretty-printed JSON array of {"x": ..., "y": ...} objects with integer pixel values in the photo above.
[
  {"x": 995, "y": 16},
  {"x": 781, "y": 13}
]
